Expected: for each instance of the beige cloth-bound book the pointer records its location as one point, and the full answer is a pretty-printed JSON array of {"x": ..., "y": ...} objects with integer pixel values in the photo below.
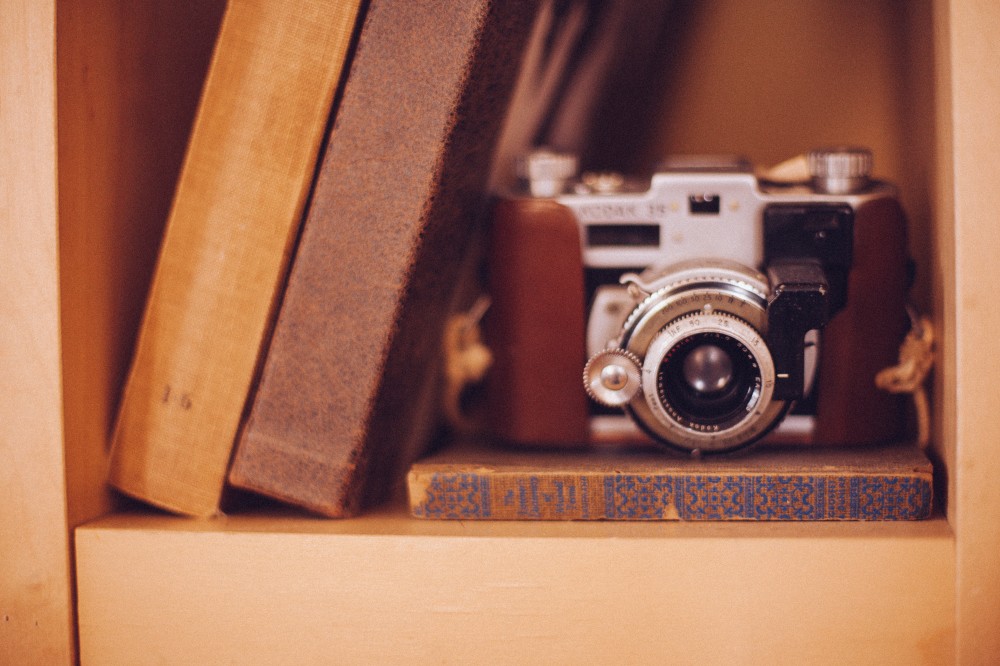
[{"x": 235, "y": 217}]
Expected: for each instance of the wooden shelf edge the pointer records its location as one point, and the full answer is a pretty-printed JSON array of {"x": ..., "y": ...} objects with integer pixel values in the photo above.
[
  {"x": 384, "y": 588},
  {"x": 395, "y": 521}
]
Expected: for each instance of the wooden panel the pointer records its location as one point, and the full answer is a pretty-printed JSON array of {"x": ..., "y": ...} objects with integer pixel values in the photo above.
[
  {"x": 944, "y": 270},
  {"x": 385, "y": 589},
  {"x": 974, "y": 59},
  {"x": 35, "y": 611}
]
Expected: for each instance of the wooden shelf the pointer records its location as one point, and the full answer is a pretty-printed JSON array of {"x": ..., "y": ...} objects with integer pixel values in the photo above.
[
  {"x": 387, "y": 588},
  {"x": 97, "y": 99}
]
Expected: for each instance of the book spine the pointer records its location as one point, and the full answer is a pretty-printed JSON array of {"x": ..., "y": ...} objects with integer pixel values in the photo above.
[
  {"x": 348, "y": 386},
  {"x": 471, "y": 495},
  {"x": 235, "y": 215}
]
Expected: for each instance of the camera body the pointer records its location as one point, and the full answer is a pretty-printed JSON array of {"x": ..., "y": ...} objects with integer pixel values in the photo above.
[{"x": 705, "y": 309}]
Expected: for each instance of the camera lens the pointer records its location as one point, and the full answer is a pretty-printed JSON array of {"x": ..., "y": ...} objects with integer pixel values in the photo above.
[
  {"x": 708, "y": 380},
  {"x": 707, "y": 375}
]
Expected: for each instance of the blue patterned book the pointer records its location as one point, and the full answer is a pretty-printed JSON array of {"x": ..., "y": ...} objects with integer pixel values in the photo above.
[{"x": 467, "y": 482}]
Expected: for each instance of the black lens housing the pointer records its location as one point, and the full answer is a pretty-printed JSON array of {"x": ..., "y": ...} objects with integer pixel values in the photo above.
[{"x": 708, "y": 410}]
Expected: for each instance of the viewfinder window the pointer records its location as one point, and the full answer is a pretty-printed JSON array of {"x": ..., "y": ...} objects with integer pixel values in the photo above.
[{"x": 623, "y": 235}]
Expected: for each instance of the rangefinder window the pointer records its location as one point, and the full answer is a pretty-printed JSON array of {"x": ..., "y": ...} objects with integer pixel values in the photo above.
[
  {"x": 704, "y": 204},
  {"x": 623, "y": 235}
]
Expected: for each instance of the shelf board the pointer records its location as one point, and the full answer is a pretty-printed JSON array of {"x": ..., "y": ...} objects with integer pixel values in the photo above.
[
  {"x": 385, "y": 587},
  {"x": 393, "y": 520}
]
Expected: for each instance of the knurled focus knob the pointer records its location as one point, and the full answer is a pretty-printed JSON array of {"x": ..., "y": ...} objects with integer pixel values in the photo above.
[
  {"x": 547, "y": 171},
  {"x": 612, "y": 377},
  {"x": 840, "y": 170}
]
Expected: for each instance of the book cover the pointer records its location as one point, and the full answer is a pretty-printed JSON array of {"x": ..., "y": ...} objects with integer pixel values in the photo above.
[
  {"x": 765, "y": 484},
  {"x": 348, "y": 390},
  {"x": 235, "y": 216}
]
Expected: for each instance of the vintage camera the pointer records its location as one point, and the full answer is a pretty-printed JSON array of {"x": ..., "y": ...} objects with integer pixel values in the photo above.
[{"x": 705, "y": 308}]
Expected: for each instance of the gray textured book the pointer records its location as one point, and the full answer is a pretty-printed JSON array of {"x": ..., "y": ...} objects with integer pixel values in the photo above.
[{"x": 347, "y": 391}]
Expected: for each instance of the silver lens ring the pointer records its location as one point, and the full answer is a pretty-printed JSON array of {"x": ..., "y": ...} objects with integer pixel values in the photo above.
[
  {"x": 685, "y": 288},
  {"x": 719, "y": 299},
  {"x": 749, "y": 415}
]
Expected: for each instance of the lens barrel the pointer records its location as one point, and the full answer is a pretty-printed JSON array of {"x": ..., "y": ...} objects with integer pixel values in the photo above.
[{"x": 708, "y": 377}]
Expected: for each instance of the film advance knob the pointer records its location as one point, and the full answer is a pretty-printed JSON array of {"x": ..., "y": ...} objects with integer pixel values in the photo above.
[
  {"x": 612, "y": 377},
  {"x": 547, "y": 171},
  {"x": 840, "y": 170}
]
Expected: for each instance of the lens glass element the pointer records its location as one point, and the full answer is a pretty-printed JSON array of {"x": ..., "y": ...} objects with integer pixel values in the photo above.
[
  {"x": 708, "y": 369},
  {"x": 708, "y": 381}
]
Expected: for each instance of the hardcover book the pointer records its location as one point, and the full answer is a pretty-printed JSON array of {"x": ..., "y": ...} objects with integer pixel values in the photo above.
[
  {"x": 766, "y": 484},
  {"x": 235, "y": 216},
  {"x": 348, "y": 390}
]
